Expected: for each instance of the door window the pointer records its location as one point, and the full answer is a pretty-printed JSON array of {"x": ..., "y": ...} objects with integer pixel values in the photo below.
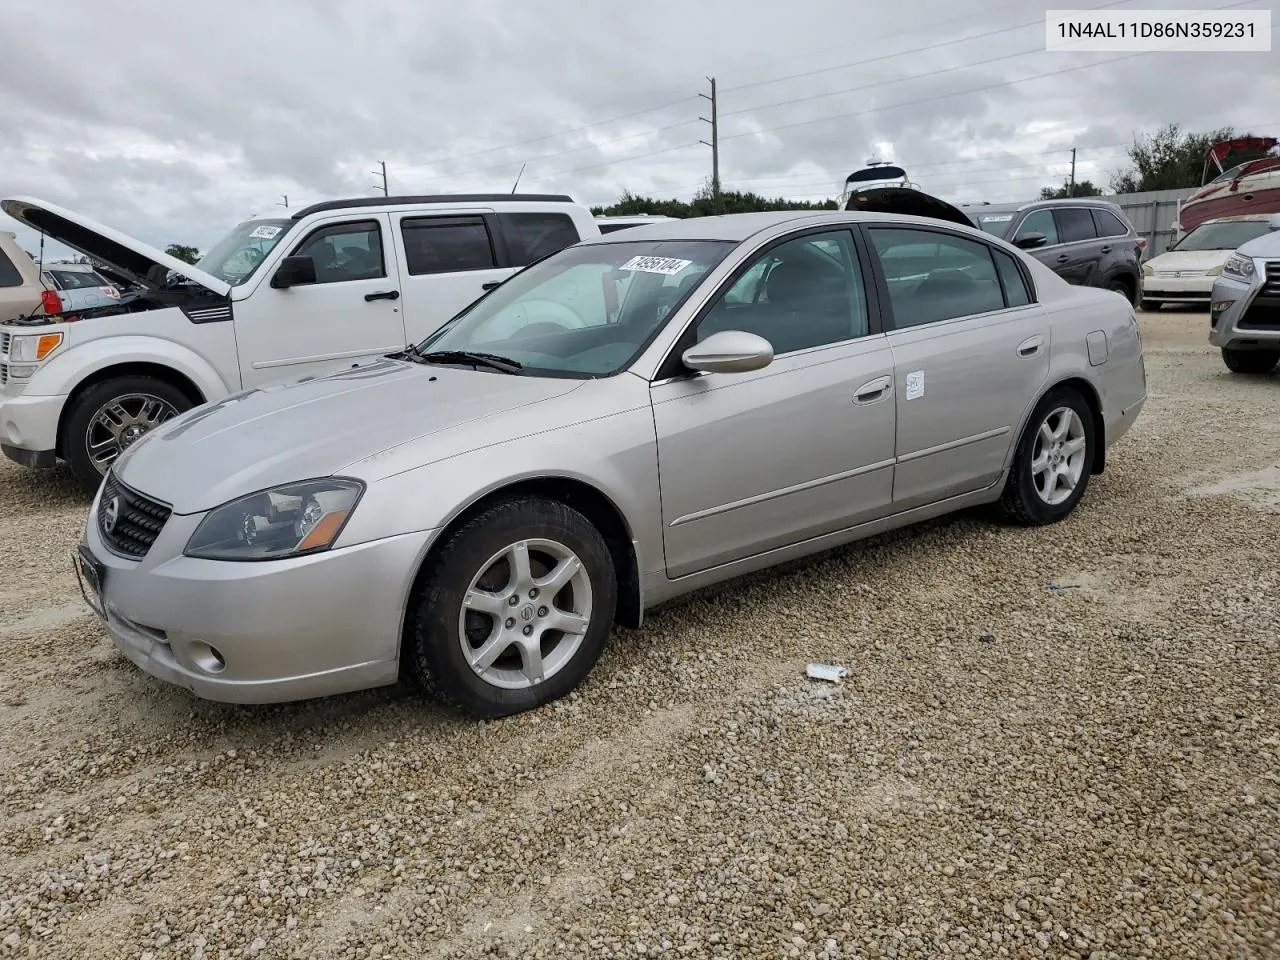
[
  {"x": 959, "y": 280},
  {"x": 1075, "y": 224},
  {"x": 804, "y": 293},
  {"x": 1108, "y": 224},
  {"x": 532, "y": 236},
  {"x": 447, "y": 245},
  {"x": 345, "y": 251},
  {"x": 1040, "y": 221},
  {"x": 9, "y": 275},
  {"x": 1016, "y": 293}
]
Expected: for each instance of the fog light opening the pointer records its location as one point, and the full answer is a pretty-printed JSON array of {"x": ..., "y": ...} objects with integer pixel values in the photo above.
[{"x": 207, "y": 658}]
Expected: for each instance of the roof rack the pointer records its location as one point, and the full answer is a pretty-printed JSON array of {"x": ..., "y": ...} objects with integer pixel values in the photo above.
[{"x": 436, "y": 198}]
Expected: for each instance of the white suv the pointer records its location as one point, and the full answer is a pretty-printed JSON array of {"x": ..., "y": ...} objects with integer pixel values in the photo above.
[{"x": 278, "y": 298}]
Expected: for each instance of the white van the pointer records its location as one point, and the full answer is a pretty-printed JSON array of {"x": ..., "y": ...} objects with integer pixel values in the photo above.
[{"x": 278, "y": 298}]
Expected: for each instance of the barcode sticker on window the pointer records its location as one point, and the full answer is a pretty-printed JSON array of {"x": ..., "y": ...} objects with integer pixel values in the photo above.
[
  {"x": 664, "y": 265},
  {"x": 264, "y": 232}
]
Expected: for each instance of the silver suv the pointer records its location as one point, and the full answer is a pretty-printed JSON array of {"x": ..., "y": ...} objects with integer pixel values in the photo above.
[{"x": 1244, "y": 308}]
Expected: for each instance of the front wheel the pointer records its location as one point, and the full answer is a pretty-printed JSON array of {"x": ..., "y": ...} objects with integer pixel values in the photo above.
[
  {"x": 111, "y": 416},
  {"x": 1053, "y": 460},
  {"x": 513, "y": 610},
  {"x": 1250, "y": 361}
]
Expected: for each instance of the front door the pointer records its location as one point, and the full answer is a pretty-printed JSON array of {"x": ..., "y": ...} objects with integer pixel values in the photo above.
[
  {"x": 971, "y": 353},
  {"x": 753, "y": 461},
  {"x": 349, "y": 315}
]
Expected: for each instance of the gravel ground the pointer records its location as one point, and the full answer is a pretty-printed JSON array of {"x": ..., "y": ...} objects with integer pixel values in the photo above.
[{"x": 1101, "y": 779}]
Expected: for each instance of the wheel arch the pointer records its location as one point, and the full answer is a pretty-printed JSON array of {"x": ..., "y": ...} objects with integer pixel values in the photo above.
[
  {"x": 133, "y": 368},
  {"x": 588, "y": 500},
  {"x": 1094, "y": 402}
]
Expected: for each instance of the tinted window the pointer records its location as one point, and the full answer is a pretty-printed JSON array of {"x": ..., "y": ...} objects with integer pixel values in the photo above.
[
  {"x": 1075, "y": 224},
  {"x": 804, "y": 293},
  {"x": 611, "y": 227},
  {"x": 76, "y": 279},
  {"x": 958, "y": 281},
  {"x": 1040, "y": 221},
  {"x": 1015, "y": 288},
  {"x": 531, "y": 236},
  {"x": 9, "y": 275},
  {"x": 1108, "y": 224},
  {"x": 345, "y": 251},
  {"x": 447, "y": 245}
]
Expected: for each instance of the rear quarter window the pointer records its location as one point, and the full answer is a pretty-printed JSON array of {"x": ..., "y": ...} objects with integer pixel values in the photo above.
[
  {"x": 9, "y": 275},
  {"x": 532, "y": 236},
  {"x": 1108, "y": 224}
]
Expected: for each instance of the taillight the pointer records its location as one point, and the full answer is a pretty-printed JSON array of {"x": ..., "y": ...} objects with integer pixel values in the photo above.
[{"x": 51, "y": 301}]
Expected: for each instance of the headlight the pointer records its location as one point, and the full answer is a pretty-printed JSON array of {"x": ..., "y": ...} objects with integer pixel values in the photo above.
[
  {"x": 1146, "y": 270},
  {"x": 1239, "y": 267},
  {"x": 32, "y": 348},
  {"x": 285, "y": 521}
]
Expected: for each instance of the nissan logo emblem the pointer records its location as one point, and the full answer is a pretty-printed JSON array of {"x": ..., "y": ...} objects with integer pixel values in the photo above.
[{"x": 111, "y": 515}]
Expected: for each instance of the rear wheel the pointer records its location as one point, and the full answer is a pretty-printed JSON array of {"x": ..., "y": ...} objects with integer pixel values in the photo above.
[
  {"x": 514, "y": 609},
  {"x": 1250, "y": 361},
  {"x": 111, "y": 416},
  {"x": 1122, "y": 288},
  {"x": 1053, "y": 461}
]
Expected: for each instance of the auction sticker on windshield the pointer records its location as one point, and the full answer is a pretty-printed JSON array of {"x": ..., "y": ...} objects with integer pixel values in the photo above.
[
  {"x": 668, "y": 266},
  {"x": 1002, "y": 218},
  {"x": 264, "y": 232}
]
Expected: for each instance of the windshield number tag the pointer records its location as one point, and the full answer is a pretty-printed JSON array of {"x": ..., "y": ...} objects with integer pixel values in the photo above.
[
  {"x": 1003, "y": 218},
  {"x": 264, "y": 232},
  {"x": 667, "y": 266}
]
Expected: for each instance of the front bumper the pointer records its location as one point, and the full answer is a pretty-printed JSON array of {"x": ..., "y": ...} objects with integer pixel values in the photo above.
[
  {"x": 1177, "y": 289},
  {"x": 258, "y": 632},
  {"x": 29, "y": 428},
  {"x": 1245, "y": 315}
]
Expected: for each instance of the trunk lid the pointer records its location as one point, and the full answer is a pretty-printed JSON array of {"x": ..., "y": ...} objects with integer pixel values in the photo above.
[
  {"x": 904, "y": 201},
  {"x": 133, "y": 258}
]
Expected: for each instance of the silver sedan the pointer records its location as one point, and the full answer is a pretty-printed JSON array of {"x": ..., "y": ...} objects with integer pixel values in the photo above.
[{"x": 632, "y": 418}]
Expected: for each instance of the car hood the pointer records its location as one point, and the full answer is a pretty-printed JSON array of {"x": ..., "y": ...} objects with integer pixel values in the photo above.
[
  {"x": 133, "y": 258},
  {"x": 315, "y": 428},
  {"x": 1189, "y": 259},
  {"x": 907, "y": 202},
  {"x": 1267, "y": 245}
]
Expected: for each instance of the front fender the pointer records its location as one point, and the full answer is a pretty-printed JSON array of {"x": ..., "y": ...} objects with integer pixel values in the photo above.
[{"x": 66, "y": 370}]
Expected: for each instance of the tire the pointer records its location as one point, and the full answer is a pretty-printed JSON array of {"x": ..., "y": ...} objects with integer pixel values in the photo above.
[
  {"x": 438, "y": 625},
  {"x": 1150, "y": 306},
  {"x": 1122, "y": 288},
  {"x": 154, "y": 400},
  {"x": 1022, "y": 500},
  {"x": 1250, "y": 361}
]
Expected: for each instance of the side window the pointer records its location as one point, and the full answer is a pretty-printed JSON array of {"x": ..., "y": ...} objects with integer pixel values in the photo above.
[
  {"x": 961, "y": 280},
  {"x": 1040, "y": 221},
  {"x": 9, "y": 275},
  {"x": 1075, "y": 224},
  {"x": 531, "y": 236},
  {"x": 345, "y": 251},
  {"x": 1016, "y": 293},
  {"x": 803, "y": 293},
  {"x": 446, "y": 245},
  {"x": 1108, "y": 224}
]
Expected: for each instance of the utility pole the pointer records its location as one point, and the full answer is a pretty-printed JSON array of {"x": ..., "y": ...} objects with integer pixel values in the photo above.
[
  {"x": 715, "y": 138},
  {"x": 383, "y": 174},
  {"x": 286, "y": 201},
  {"x": 1071, "y": 190}
]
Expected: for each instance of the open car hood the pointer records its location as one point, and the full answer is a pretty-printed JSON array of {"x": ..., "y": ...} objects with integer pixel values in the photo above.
[
  {"x": 132, "y": 258},
  {"x": 904, "y": 201}
]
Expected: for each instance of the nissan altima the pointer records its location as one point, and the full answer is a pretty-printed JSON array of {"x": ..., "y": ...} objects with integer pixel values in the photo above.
[{"x": 629, "y": 419}]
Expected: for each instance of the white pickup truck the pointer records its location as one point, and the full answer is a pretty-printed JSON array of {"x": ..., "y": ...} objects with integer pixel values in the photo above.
[{"x": 278, "y": 298}]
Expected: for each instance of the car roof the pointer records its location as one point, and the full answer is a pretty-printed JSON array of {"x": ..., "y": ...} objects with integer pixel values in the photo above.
[
  {"x": 487, "y": 198},
  {"x": 982, "y": 209},
  {"x": 736, "y": 227}
]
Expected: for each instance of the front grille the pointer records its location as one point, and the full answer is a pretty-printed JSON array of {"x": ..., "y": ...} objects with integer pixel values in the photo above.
[
  {"x": 4, "y": 343},
  {"x": 1271, "y": 283},
  {"x": 1261, "y": 316},
  {"x": 4, "y": 374},
  {"x": 138, "y": 520}
]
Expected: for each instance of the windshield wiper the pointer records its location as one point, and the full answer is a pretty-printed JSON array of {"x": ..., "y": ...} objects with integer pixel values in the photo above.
[{"x": 491, "y": 360}]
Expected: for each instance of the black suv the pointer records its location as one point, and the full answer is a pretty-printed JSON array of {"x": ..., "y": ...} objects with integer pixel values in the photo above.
[{"x": 1086, "y": 241}]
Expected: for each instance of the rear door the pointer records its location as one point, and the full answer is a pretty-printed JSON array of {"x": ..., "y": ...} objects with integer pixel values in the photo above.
[
  {"x": 970, "y": 352},
  {"x": 351, "y": 313},
  {"x": 1078, "y": 256}
]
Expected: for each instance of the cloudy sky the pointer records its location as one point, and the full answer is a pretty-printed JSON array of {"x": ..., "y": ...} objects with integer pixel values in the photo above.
[{"x": 176, "y": 120}]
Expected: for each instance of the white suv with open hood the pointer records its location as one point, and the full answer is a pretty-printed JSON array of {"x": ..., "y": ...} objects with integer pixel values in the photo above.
[{"x": 278, "y": 298}]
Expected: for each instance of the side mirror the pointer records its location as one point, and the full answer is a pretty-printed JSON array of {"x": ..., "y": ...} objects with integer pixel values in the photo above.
[
  {"x": 1029, "y": 241},
  {"x": 729, "y": 351},
  {"x": 294, "y": 272}
]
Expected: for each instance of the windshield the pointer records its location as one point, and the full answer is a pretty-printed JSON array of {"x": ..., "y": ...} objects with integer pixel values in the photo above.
[
  {"x": 586, "y": 311},
  {"x": 236, "y": 256},
  {"x": 996, "y": 224},
  {"x": 1221, "y": 236}
]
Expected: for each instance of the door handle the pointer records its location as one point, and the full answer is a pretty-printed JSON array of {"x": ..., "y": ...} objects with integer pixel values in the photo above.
[
  {"x": 1063, "y": 258},
  {"x": 491, "y": 284},
  {"x": 1031, "y": 346},
  {"x": 383, "y": 295},
  {"x": 1106, "y": 249},
  {"x": 873, "y": 390}
]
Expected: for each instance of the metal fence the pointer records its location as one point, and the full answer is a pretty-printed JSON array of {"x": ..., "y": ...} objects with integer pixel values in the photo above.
[{"x": 1152, "y": 215}]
